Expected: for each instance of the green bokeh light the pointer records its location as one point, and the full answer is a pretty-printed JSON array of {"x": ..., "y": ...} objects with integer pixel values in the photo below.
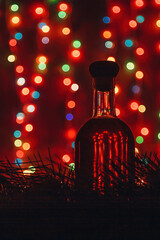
[
  {"x": 158, "y": 135},
  {"x": 62, "y": 14},
  {"x": 139, "y": 139},
  {"x": 14, "y": 7},
  {"x": 42, "y": 66},
  {"x": 65, "y": 67},
  {"x": 76, "y": 44},
  {"x": 130, "y": 65}
]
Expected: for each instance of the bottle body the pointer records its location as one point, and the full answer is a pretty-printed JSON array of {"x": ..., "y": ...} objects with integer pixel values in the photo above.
[{"x": 104, "y": 152}]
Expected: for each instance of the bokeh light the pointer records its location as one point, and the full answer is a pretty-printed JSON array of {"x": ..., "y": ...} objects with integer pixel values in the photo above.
[
  {"x": 144, "y": 131},
  {"x": 117, "y": 111},
  {"x": 14, "y": 7},
  {"x": 139, "y": 74},
  {"x": 158, "y": 135},
  {"x": 26, "y": 146},
  {"x": 30, "y": 108},
  {"x": 66, "y": 31},
  {"x": 139, "y": 139},
  {"x": 109, "y": 44},
  {"x": 130, "y": 66},
  {"x": 41, "y": 59},
  {"x": 72, "y": 166},
  {"x": 18, "y": 161},
  {"x": 140, "y": 19},
  {"x": 128, "y": 43},
  {"x": 67, "y": 81},
  {"x": 39, "y": 10},
  {"x": 45, "y": 29},
  {"x": 134, "y": 106},
  {"x": 132, "y": 23},
  {"x": 139, "y": 51},
  {"x": 17, "y": 142},
  {"x": 76, "y": 53},
  {"x": 28, "y": 127},
  {"x": 13, "y": 42},
  {"x": 35, "y": 94},
  {"x": 41, "y": 24},
  {"x": 112, "y": 59},
  {"x": 15, "y": 20},
  {"x": 157, "y": 2},
  {"x": 106, "y": 19},
  {"x": 69, "y": 116},
  {"x": 71, "y": 133},
  {"x": 63, "y": 6},
  {"x": 17, "y": 133},
  {"x": 139, "y": 3},
  {"x": 74, "y": 87},
  {"x": 19, "y": 69},
  {"x": 116, "y": 89},
  {"x": 25, "y": 91},
  {"x": 141, "y": 108},
  {"x": 20, "y": 115},
  {"x": 136, "y": 150},
  {"x": 38, "y": 79},
  {"x": 45, "y": 40},
  {"x": 20, "y": 81},
  {"x": 62, "y": 14},
  {"x": 19, "y": 154},
  {"x": 11, "y": 58},
  {"x": 18, "y": 36},
  {"x": 136, "y": 89},
  {"x": 42, "y": 66},
  {"x": 158, "y": 23},
  {"x": 107, "y": 34},
  {"x": 71, "y": 104},
  {"x": 66, "y": 158},
  {"x": 76, "y": 44},
  {"x": 116, "y": 9},
  {"x": 65, "y": 68}
]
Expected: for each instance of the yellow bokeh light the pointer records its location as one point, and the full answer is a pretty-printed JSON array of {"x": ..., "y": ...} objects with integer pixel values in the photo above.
[
  {"x": 116, "y": 90},
  {"x": 111, "y": 59},
  {"x": 141, "y": 108},
  {"x": 158, "y": 23},
  {"x": 29, "y": 127},
  {"x": 25, "y": 91},
  {"x": 26, "y": 146},
  {"x": 107, "y": 34},
  {"x": 139, "y": 74},
  {"x": 11, "y": 58},
  {"x": 45, "y": 29},
  {"x": 66, "y": 31},
  {"x": 17, "y": 142},
  {"x": 42, "y": 59},
  {"x": 15, "y": 20}
]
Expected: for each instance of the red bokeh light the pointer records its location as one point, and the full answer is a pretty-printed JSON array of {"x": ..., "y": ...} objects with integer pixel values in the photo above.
[
  {"x": 63, "y": 6},
  {"x": 20, "y": 154},
  {"x": 76, "y": 53},
  {"x": 13, "y": 42},
  {"x": 157, "y": 2},
  {"x": 132, "y": 23},
  {"x": 144, "y": 131},
  {"x": 71, "y": 104},
  {"x": 66, "y": 158},
  {"x": 39, "y": 10},
  {"x": 139, "y": 3},
  {"x": 134, "y": 106},
  {"x": 19, "y": 69},
  {"x": 67, "y": 81},
  {"x": 71, "y": 133},
  {"x": 116, "y": 9},
  {"x": 139, "y": 51}
]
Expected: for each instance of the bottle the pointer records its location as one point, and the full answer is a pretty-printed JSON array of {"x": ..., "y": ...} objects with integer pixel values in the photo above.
[{"x": 104, "y": 145}]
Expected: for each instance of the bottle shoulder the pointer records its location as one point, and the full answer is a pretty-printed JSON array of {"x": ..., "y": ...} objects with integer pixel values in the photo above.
[{"x": 110, "y": 124}]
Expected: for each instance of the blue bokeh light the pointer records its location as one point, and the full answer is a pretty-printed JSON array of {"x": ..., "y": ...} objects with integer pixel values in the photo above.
[
  {"x": 106, "y": 19},
  {"x": 17, "y": 134},
  {"x": 140, "y": 19},
  {"x": 136, "y": 89},
  {"x": 129, "y": 43},
  {"x": 69, "y": 116},
  {"x": 35, "y": 94},
  {"x": 18, "y": 161},
  {"x": 18, "y": 36}
]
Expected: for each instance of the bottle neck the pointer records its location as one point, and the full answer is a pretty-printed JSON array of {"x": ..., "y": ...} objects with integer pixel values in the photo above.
[{"x": 103, "y": 103}]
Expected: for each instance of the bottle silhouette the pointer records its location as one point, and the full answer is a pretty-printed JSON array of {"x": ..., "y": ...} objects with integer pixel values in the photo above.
[{"x": 104, "y": 145}]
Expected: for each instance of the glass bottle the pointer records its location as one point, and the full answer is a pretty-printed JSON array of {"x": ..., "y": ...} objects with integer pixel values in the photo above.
[{"x": 104, "y": 145}]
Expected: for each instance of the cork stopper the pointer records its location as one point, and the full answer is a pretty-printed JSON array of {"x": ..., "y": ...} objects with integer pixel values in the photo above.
[{"x": 103, "y": 73}]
